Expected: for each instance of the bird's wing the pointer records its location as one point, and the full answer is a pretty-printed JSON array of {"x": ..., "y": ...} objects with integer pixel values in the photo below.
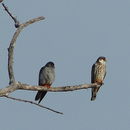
[
  {"x": 93, "y": 73},
  {"x": 105, "y": 72},
  {"x": 42, "y": 73}
]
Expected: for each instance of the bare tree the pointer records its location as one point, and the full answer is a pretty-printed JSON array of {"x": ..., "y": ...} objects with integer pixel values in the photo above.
[{"x": 14, "y": 85}]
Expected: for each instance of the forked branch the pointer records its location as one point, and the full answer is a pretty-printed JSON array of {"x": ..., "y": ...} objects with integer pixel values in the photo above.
[
  {"x": 14, "y": 85},
  {"x": 12, "y": 45}
]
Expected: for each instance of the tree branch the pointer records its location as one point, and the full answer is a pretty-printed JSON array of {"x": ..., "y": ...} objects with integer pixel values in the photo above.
[
  {"x": 13, "y": 85},
  {"x": 17, "y": 24},
  {"x": 31, "y": 102},
  {"x": 19, "y": 86},
  {"x": 12, "y": 45}
]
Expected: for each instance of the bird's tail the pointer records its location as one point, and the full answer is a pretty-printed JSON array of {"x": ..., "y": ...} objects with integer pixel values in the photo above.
[
  {"x": 94, "y": 93},
  {"x": 93, "y": 97},
  {"x": 40, "y": 95}
]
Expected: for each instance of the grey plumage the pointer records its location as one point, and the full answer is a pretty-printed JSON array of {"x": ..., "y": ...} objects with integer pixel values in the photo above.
[{"x": 46, "y": 77}]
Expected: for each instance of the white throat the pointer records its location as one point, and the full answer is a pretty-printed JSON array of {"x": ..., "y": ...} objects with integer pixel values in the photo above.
[{"x": 102, "y": 61}]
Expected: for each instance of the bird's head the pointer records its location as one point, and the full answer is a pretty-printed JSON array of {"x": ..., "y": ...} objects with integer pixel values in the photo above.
[
  {"x": 102, "y": 60},
  {"x": 50, "y": 64}
]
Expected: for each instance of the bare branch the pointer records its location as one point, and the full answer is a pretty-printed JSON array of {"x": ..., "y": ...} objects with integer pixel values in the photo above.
[
  {"x": 56, "y": 89},
  {"x": 13, "y": 85},
  {"x": 17, "y": 24},
  {"x": 31, "y": 102},
  {"x": 20, "y": 86},
  {"x": 12, "y": 45}
]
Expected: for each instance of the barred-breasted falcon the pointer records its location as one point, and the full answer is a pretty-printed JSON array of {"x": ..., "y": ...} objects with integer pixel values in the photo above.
[
  {"x": 98, "y": 74},
  {"x": 46, "y": 78}
]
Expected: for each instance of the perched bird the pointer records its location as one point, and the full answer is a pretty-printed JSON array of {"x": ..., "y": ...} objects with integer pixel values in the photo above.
[
  {"x": 98, "y": 74},
  {"x": 46, "y": 77}
]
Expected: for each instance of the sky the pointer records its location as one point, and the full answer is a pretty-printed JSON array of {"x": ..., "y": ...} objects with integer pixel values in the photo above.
[{"x": 73, "y": 35}]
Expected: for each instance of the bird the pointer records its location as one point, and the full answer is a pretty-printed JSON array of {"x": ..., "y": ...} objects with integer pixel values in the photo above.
[
  {"x": 46, "y": 78},
  {"x": 98, "y": 74}
]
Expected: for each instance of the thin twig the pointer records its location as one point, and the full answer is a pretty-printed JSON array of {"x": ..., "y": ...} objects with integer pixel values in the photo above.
[
  {"x": 31, "y": 102},
  {"x": 17, "y": 24}
]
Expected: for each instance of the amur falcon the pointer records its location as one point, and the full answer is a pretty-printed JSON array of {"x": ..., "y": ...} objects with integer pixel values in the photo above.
[
  {"x": 46, "y": 78},
  {"x": 98, "y": 74}
]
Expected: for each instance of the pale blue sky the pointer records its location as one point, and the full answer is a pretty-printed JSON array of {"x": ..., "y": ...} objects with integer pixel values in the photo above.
[{"x": 73, "y": 35}]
